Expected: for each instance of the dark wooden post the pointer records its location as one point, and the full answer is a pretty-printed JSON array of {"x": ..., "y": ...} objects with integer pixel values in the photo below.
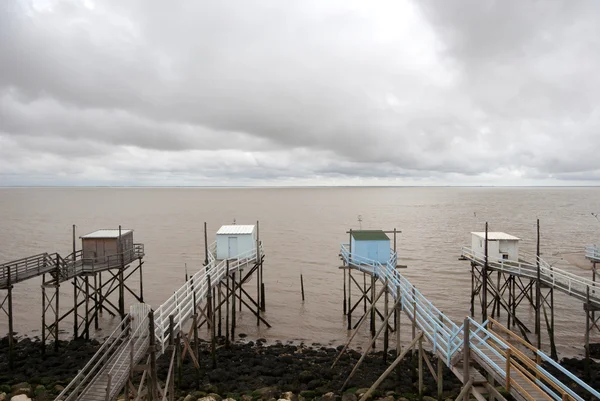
[
  {"x": 212, "y": 325},
  {"x": 57, "y": 304},
  {"x": 233, "y": 309},
  {"x": 538, "y": 291},
  {"x": 344, "y": 272},
  {"x": 11, "y": 340},
  {"x": 386, "y": 333},
  {"x": 373, "y": 315},
  {"x": 121, "y": 278},
  {"x": 484, "y": 306},
  {"x": 230, "y": 294},
  {"x": 302, "y": 290},
  {"x": 466, "y": 351},
  {"x": 205, "y": 247},
  {"x": 153, "y": 395}
]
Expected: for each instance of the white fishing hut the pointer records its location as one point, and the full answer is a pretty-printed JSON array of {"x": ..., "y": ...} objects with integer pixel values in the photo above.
[
  {"x": 101, "y": 244},
  {"x": 234, "y": 240},
  {"x": 501, "y": 246},
  {"x": 371, "y": 244}
]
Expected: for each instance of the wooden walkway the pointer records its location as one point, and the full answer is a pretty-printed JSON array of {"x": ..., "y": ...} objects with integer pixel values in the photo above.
[{"x": 62, "y": 269}]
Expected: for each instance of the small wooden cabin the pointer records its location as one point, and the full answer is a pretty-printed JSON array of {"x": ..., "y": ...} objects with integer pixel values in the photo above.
[
  {"x": 371, "y": 244},
  {"x": 234, "y": 240},
  {"x": 100, "y": 244},
  {"x": 501, "y": 246}
]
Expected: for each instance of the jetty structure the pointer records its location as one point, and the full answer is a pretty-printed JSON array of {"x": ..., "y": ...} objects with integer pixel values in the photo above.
[
  {"x": 206, "y": 298},
  {"x": 104, "y": 265},
  {"x": 503, "y": 281},
  {"x": 481, "y": 355}
]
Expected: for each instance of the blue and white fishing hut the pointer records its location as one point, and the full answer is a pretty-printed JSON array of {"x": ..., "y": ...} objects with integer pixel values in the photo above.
[
  {"x": 373, "y": 245},
  {"x": 235, "y": 240}
]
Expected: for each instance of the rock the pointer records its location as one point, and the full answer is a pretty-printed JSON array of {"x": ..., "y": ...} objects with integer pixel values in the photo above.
[
  {"x": 388, "y": 398},
  {"x": 289, "y": 396},
  {"x": 21, "y": 388},
  {"x": 361, "y": 391},
  {"x": 428, "y": 398},
  {"x": 189, "y": 397},
  {"x": 207, "y": 398},
  {"x": 349, "y": 397},
  {"x": 3, "y": 396},
  {"x": 242, "y": 335},
  {"x": 229, "y": 399},
  {"x": 216, "y": 396},
  {"x": 246, "y": 397},
  {"x": 266, "y": 393},
  {"x": 328, "y": 397},
  {"x": 58, "y": 388},
  {"x": 210, "y": 388},
  {"x": 306, "y": 376},
  {"x": 20, "y": 397}
]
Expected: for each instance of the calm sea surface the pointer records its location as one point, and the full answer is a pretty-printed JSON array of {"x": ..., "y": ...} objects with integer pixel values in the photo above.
[{"x": 301, "y": 229}]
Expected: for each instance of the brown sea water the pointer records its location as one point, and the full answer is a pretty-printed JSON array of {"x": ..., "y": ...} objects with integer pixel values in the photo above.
[{"x": 302, "y": 229}]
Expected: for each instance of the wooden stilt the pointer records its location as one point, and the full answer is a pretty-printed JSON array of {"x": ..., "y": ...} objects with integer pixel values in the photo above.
[
  {"x": 345, "y": 306},
  {"x": 219, "y": 296},
  {"x": 440, "y": 378},
  {"x": 233, "y": 311},
  {"x": 213, "y": 341},
  {"x": 349, "y": 315},
  {"x": 386, "y": 333},
  {"x": 227, "y": 296},
  {"x": 389, "y": 369},
  {"x": 302, "y": 289},
  {"x": 421, "y": 367}
]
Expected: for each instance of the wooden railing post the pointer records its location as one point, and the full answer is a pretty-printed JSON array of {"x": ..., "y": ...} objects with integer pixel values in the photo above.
[
  {"x": 466, "y": 351},
  {"x": 108, "y": 384}
]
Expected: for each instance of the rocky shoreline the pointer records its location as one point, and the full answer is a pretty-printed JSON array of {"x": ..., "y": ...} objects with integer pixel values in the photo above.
[{"x": 246, "y": 371}]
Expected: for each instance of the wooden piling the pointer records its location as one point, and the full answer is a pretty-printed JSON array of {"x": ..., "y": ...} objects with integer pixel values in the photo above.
[
  {"x": 349, "y": 315},
  {"x": 398, "y": 318},
  {"x": 213, "y": 341},
  {"x": 302, "y": 289},
  {"x": 484, "y": 305},
  {"x": 538, "y": 291},
  {"x": 153, "y": 380},
  {"x": 373, "y": 314},
  {"x": 219, "y": 302},
  {"x": 466, "y": 351},
  {"x": 421, "y": 367},
  {"x": 205, "y": 247},
  {"x": 386, "y": 332},
  {"x": 230, "y": 294},
  {"x": 233, "y": 310},
  {"x": 440, "y": 378},
  {"x": 345, "y": 306}
]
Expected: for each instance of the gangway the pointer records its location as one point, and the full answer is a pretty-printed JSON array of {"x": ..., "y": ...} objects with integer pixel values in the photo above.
[
  {"x": 452, "y": 343},
  {"x": 580, "y": 288},
  {"x": 106, "y": 374}
]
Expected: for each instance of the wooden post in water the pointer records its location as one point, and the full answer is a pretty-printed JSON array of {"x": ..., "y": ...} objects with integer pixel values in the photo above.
[
  {"x": 213, "y": 341},
  {"x": 344, "y": 272},
  {"x": 153, "y": 382},
  {"x": 121, "y": 278},
  {"x": 233, "y": 309},
  {"x": 466, "y": 351},
  {"x": 219, "y": 302},
  {"x": 398, "y": 317},
  {"x": 57, "y": 304},
  {"x": 302, "y": 289},
  {"x": 230, "y": 294},
  {"x": 373, "y": 314},
  {"x": 349, "y": 315},
  {"x": 205, "y": 247},
  {"x": 414, "y": 322},
  {"x": 587, "y": 307},
  {"x": 386, "y": 333},
  {"x": 538, "y": 291},
  {"x": 484, "y": 306},
  {"x": 11, "y": 340}
]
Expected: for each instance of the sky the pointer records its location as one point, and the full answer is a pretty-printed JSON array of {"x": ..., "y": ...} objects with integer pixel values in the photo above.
[{"x": 284, "y": 93}]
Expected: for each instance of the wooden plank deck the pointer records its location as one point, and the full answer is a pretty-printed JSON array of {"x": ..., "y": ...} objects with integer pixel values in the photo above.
[{"x": 119, "y": 365}]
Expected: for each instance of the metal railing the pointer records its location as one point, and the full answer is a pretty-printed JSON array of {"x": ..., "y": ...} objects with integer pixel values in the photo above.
[
  {"x": 569, "y": 283},
  {"x": 66, "y": 268},
  {"x": 96, "y": 365},
  {"x": 180, "y": 305},
  {"x": 447, "y": 338}
]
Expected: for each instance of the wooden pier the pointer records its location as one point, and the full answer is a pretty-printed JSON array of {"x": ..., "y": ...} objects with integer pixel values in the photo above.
[
  {"x": 85, "y": 272},
  {"x": 475, "y": 352}
]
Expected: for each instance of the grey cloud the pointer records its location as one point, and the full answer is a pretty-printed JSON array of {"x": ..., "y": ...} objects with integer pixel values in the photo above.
[{"x": 424, "y": 90}]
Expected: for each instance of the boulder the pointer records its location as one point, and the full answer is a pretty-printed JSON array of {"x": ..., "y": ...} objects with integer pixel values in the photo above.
[
  {"x": 216, "y": 396},
  {"x": 58, "y": 388},
  {"x": 3, "y": 397},
  {"x": 428, "y": 398},
  {"x": 328, "y": 397},
  {"x": 189, "y": 397},
  {"x": 207, "y": 398},
  {"x": 21, "y": 388},
  {"x": 349, "y": 397},
  {"x": 289, "y": 396},
  {"x": 20, "y": 397},
  {"x": 361, "y": 391},
  {"x": 246, "y": 397}
]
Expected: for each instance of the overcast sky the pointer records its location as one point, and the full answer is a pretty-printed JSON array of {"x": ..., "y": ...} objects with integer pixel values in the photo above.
[{"x": 395, "y": 92}]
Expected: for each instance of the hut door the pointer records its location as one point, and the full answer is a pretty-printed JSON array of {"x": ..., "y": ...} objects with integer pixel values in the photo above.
[
  {"x": 372, "y": 252},
  {"x": 233, "y": 248}
]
